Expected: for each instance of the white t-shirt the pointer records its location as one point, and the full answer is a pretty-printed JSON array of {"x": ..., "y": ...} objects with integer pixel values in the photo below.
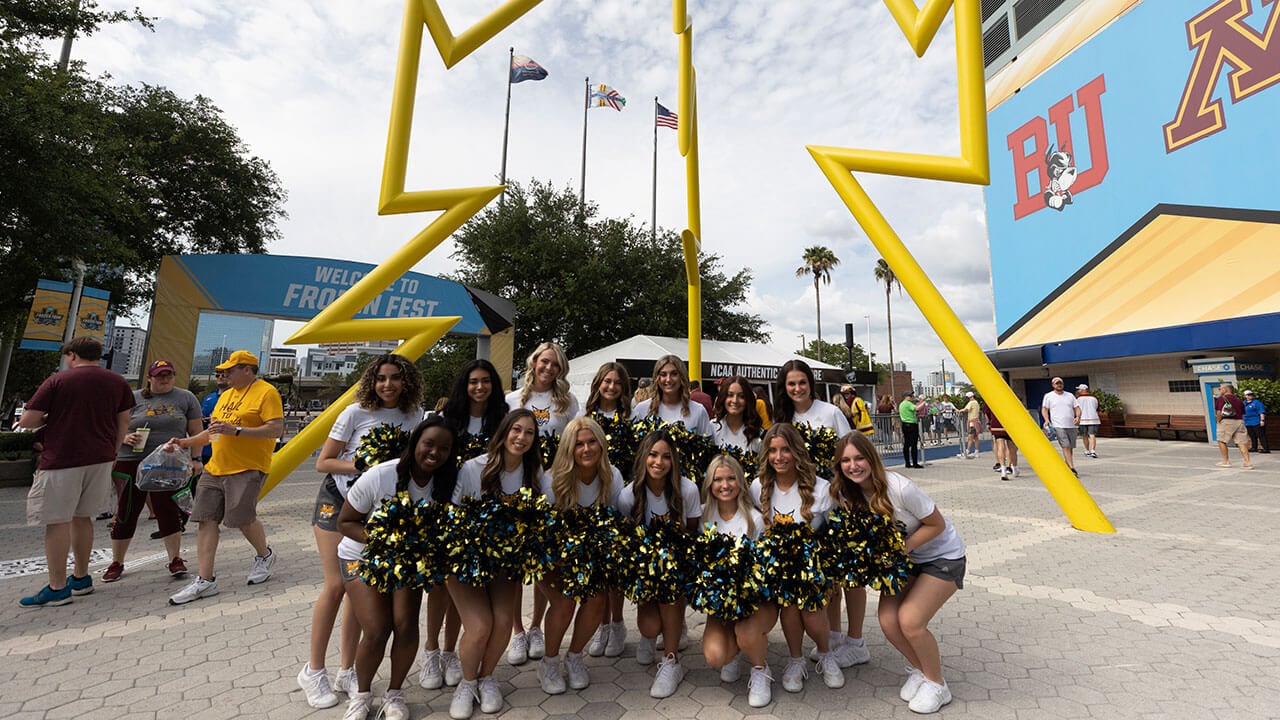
[
  {"x": 697, "y": 420},
  {"x": 725, "y": 436},
  {"x": 469, "y": 484},
  {"x": 787, "y": 503},
  {"x": 736, "y": 525},
  {"x": 656, "y": 505},
  {"x": 1062, "y": 408},
  {"x": 352, "y": 424},
  {"x": 823, "y": 414},
  {"x": 475, "y": 425},
  {"x": 588, "y": 494},
  {"x": 1088, "y": 410},
  {"x": 377, "y": 484},
  {"x": 910, "y": 505},
  {"x": 543, "y": 407}
]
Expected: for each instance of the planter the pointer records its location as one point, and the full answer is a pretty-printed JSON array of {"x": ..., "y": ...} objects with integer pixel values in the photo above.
[
  {"x": 1108, "y": 427},
  {"x": 17, "y": 472}
]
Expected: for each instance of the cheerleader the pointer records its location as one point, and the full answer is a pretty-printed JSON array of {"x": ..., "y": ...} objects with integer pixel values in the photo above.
[
  {"x": 426, "y": 471},
  {"x": 789, "y": 491},
  {"x": 737, "y": 422},
  {"x": 670, "y": 401},
  {"x": 580, "y": 477},
  {"x": 660, "y": 494},
  {"x": 609, "y": 404},
  {"x": 511, "y": 463},
  {"x": 476, "y": 405},
  {"x": 545, "y": 391},
  {"x": 727, "y": 507},
  {"x": 934, "y": 547},
  {"x": 389, "y": 392}
]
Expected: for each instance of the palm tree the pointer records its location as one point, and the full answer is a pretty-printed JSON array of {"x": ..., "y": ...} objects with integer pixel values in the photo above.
[
  {"x": 818, "y": 261},
  {"x": 885, "y": 274}
]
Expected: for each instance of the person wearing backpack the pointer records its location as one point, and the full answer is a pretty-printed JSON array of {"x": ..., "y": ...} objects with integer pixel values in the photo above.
[{"x": 1230, "y": 411}]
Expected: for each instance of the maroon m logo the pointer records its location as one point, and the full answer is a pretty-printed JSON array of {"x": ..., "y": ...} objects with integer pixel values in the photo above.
[{"x": 1220, "y": 38}]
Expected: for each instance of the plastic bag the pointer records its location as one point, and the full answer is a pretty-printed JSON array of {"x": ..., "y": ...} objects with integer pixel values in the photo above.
[{"x": 164, "y": 470}]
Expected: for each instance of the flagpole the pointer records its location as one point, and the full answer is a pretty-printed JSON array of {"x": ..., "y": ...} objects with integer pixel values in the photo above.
[
  {"x": 586, "y": 102},
  {"x": 653, "y": 221},
  {"x": 506, "y": 128}
]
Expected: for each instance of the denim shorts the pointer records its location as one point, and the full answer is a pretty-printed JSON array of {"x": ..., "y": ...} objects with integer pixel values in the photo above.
[{"x": 329, "y": 503}]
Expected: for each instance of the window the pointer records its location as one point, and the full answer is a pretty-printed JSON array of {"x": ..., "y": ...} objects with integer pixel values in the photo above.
[{"x": 1184, "y": 386}]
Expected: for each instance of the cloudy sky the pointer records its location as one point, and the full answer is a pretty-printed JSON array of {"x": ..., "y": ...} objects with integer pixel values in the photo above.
[{"x": 307, "y": 83}]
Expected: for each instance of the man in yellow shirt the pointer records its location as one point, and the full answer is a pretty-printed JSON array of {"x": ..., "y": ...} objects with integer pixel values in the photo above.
[{"x": 244, "y": 426}]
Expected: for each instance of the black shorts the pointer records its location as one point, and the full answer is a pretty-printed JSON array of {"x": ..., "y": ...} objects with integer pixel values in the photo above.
[
  {"x": 329, "y": 503},
  {"x": 943, "y": 569}
]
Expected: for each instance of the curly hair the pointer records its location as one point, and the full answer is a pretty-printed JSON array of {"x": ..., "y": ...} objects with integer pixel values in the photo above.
[
  {"x": 410, "y": 394},
  {"x": 785, "y": 405},
  {"x": 655, "y": 400},
  {"x": 564, "y": 476},
  {"x": 845, "y": 493},
  {"x": 458, "y": 407},
  {"x": 744, "y": 498},
  {"x": 560, "y": 390},
  {"x": 752, "y": 424},
  {"x": 445, "y": 477},
  {"x": 671, "y": 483},
  {"x": 806, "y": 475},
  {"x": 624, "y": 400},
  {"x": 531, "y": 463}
]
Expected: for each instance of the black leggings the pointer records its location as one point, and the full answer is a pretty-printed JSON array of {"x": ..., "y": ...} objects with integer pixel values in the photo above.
[{"x": 911, "y": 444}]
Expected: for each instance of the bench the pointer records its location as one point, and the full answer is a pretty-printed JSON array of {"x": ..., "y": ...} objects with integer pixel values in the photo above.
[
  {"x": 1179, "y": 424},
  {"x": 1135, "y": 422}
]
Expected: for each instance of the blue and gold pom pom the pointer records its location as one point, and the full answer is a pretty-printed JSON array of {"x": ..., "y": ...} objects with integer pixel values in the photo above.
[
  {"x": 403, "y": 548},
  {"x": 382, "y": 443},
  {"x": 472, "y": 446},
  {"x": 547, "y": 446},
  {"x": 621, "y": 438},
  {"x": 821, "y": 443},
  {"x": 661, "y": 552},
  {"x": 725, "y": 579},
  {"x": 591, "y": 541},
  {"x": 792, "y": 562}
]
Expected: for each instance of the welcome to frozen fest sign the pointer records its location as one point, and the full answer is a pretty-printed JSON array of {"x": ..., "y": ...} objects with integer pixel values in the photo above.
[{"x": 300, "y": 287}]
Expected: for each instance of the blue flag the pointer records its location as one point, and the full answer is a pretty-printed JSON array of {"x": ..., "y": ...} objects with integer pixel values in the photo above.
[{"x": 524, "y": 68}]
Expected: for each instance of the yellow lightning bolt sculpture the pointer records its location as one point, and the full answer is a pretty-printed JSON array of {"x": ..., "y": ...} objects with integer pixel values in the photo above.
[{"x": 972, "y": 166}]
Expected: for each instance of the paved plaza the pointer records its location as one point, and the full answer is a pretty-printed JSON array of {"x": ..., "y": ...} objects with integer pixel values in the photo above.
[{"x": 1175, "y": 616}]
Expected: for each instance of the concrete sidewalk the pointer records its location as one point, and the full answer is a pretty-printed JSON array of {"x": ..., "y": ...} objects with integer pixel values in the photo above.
[{"x": 1174, "y": 616}]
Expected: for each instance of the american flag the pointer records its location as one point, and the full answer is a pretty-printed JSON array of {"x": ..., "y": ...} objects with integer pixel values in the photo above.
[{"x": 666, "y": 118}]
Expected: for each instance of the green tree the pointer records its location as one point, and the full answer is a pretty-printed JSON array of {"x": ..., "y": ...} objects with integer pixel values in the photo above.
[
  {"x": 818, "y": 262},
  {"x": 885, "y": 274},
  {"x": 586, "y": 282},
  {"x": 442, "y": 363},
  {"x": 835, "y": 354}
]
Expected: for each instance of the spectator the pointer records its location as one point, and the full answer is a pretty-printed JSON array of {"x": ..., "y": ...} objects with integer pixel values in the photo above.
[
  {"x": 1090, "y": 421},
  {"x": 1061, "y": 412},
  {"x": 1255, "y": 423},
  {"x": 1230, "y": 410}
]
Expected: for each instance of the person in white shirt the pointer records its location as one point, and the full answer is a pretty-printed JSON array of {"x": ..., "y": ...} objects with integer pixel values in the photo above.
[
  {"x": 797, "y": 400},
  {"x": 737, "y": 422},
  {"x": 511, "y": 463},
  {"x": 580, "y": 476},
  {"x": 788, "y": 490},
  {"x": 659, "y": 493},
  {"x": 476, "y": 405},
  {"x": 670, "y": 402},
  {"x": 1062, "y": 413},
  {"x": 727, "y": 506},
  {"x": 936, "y": 550},
  {"x": 427, "y": 471},
  {"x": 544, "y": 391},
  {"x": 1090, "y": 420},
  {"x": 390, "y": 393}
]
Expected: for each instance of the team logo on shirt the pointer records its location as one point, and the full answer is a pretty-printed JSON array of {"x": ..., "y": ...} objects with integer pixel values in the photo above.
[
  {"x": 663, "y": 518},
  {"x": 542, "y": 415},
  {"x": 780, "y": 518}
]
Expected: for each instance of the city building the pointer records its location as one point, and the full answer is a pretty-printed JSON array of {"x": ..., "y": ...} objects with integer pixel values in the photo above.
[{"x": 127, "y": 346}]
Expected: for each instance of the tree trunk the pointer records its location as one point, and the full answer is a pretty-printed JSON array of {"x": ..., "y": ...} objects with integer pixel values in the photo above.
[{"x": 817, "y": 296}]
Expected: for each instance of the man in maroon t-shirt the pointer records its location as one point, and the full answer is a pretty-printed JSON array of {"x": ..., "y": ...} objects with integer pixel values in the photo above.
[{"x": 85, "y": 414}]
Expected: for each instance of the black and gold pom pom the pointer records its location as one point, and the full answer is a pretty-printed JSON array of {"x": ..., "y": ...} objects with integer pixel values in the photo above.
[
  {"x": 725, "y": 579},
  {"x": 382, "y": 443},
  {"x": 792, "y": 562}
]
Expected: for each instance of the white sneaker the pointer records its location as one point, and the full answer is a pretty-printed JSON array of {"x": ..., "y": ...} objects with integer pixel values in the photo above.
[
  {"x": 1015, "y": 471},
  {"x": 834, "y": 640},
  {"x": 645, "y": 651},
  {"x": 316, "y": 685},
  {"x": 490, "y": 695},
  {"x": 345, "y": 681},
  {"x": 930, "y": 697},
  {"x": 549, "y": 676},
  {"x": 830, "y": 671},
  {"x": 794, "y": 675},
  {"x": 661, "y": 642},
  {"x": 262, "y": 565},
  {"x": 393, "y": 706},
  {"x": 760, "y": 687},
  {"x": 579, "y": 679},
  {"x": 851, "y": 652},
  {"x": 518, "y": 653},
  {"x": 731, "y": 671},
  {"x": 198, "y": 588},
  {"x": 464, "y": 700},
  {"x": 665, "y": 682},
  {"x": 452, "y": 668},
  {"x": 617, "y": 639},
  {"x": 599, "y": 641},
  {"x": 537, "y": 643},
  {"x": 358, "y": 706},
  {"x": 431, "y": 672},
  {"x": 915, "y": 679}
]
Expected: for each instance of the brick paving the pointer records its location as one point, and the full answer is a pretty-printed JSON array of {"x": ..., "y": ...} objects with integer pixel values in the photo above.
[{"x": 1174, "y": 616}]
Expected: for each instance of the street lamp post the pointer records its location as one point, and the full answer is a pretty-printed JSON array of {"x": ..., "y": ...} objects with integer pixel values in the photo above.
[{"x": 868, "y": 319}]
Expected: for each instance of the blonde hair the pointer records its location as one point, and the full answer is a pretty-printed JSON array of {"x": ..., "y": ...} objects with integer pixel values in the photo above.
[
  {"x": 640, "y": 479},
  {"x": 744, "y": 498},
  {"x": 806, "y": 474},
  {"x": 847, "y": 494},
  {"x": 564, "y": 476},
  {"x": 656, "y": 399},
  {"x": 559, "y": 390}
]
